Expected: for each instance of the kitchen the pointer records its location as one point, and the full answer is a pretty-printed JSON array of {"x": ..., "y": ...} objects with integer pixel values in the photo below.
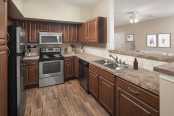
[{"x": 95, "y": 57}]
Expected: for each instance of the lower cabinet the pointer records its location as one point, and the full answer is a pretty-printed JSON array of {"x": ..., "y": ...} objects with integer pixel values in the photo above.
[
  {"x": 68, "y": 68},
  {"x": 106, "y": 94},
  {"x": 3, "y": 80},
  {"x": 32, "y": 77},
  {"x": 133, "y": 101},
  {"x": 101, "y": 85},
  {"x": 94, "y": 83}
]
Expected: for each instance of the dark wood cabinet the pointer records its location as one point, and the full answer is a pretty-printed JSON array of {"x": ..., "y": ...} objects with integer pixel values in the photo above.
[
  {"x": 101, "y": 85},
  {"x": 3, "y": 58},
  {"x": 106, "y": 94},
  {"x": 3, "y": 80},
  {"x": 94, "y": 83},
  {"x": 45, "y": 27},
  {"x": 83, "y": 33},
  {"x": 66, "y": 34},
  {"x": 32, "y": 77},
  {"x": 33, "y": 32},
  {"x": 69, "y": 68},
  {"x": 76, "y": 67},
  {"x": 133, "y": 101},
  {"x": 24, "y": 25},
  {"x": 3, "y": 22},
  {"x": 97, "y": 30},
  {"x": 73, "y": 33}
]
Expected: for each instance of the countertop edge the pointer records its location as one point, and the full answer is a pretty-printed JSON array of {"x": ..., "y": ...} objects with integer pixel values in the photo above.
[{"x": 150, "y": 56}]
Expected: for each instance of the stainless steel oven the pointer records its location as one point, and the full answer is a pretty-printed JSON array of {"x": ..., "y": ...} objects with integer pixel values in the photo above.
[{"x": 50, "y": 68}]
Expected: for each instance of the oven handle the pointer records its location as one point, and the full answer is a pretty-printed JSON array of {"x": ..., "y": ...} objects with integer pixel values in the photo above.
[{"x": 51, "y": 61}]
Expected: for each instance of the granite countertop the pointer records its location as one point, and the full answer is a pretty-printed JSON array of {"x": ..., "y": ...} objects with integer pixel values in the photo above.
[
  {"x": 167, "y": 69},
  {"x": 148, "y": 80},
  {"x": 158, "y": 57},
  {"x": 31, "y": 57}
]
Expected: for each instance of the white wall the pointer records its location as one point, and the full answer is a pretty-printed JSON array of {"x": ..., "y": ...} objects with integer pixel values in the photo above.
[{"x": 52, "y": 10}]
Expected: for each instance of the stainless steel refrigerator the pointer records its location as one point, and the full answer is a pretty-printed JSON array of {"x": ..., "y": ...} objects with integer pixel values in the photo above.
[{"x": 16, "y": 72}]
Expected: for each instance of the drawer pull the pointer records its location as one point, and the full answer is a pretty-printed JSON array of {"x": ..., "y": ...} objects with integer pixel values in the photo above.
[{"x": 135, "y": 92}]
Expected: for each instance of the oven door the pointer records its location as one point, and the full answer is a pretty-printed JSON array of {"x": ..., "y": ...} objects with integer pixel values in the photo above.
[{"x": 51, "y": 68}]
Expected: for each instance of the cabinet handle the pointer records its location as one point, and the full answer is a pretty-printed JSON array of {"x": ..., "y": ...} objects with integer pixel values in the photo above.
[{"x": 135, "y": 92}]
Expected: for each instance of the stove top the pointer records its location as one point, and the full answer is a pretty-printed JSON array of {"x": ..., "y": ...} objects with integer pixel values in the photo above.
[{"x": 50, "y": 54}]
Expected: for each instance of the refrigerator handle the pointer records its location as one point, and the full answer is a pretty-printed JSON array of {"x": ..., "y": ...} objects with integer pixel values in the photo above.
[
  {"x": 8, "y": 37},
  {"x": 8, "y": 51}
]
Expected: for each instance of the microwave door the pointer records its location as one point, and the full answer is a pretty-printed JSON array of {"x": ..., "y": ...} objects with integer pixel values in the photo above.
[{"x": 48, "y": 39}]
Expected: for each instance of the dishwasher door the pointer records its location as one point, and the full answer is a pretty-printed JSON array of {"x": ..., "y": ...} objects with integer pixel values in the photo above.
[{"x": 84, "y": 74}]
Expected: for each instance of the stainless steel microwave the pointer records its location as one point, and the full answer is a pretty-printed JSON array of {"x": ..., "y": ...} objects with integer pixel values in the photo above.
[{"x": 50, "y": 38}]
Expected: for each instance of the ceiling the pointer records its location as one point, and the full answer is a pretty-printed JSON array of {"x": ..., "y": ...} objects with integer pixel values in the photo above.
[
  {"x": 155, "y": 8},
  {"x": 83, "y": 3}
]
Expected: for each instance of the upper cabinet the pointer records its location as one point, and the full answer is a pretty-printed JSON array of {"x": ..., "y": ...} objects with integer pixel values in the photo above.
[
  {"x": 33, "y": 32},
  {"x": 73, "y": 33},
  {"x": 45, "y": 27},
  {"x": 94, "y": 31}
]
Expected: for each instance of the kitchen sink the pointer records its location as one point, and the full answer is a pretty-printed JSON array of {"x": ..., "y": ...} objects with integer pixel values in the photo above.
[
  {"x": 110, "y": 64},
  {"x": 103, "y": 62}
]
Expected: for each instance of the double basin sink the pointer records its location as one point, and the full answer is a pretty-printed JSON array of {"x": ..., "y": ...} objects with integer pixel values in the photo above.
[{"x": 110, "y": 64}]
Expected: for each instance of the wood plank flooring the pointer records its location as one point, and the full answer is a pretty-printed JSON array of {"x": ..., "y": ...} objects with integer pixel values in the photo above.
[{"x": 68, "y": 99}]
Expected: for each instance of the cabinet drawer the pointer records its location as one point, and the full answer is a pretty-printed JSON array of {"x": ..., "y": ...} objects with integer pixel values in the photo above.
[
  {"x": 140, "y": 93},
  {"x": 103, "y": 73},
  {"x": 68, "y": 59},
  {"x": 32, "y": 63}
]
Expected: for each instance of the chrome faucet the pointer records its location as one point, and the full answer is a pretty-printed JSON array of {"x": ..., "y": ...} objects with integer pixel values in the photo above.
[{"x": 116, "y": 57}]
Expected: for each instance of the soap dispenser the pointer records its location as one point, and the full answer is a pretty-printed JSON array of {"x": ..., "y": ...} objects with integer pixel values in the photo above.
[{"x": 135, "y": 64}]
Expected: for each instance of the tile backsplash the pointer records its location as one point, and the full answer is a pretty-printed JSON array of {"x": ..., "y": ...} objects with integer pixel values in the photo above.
[{"x": 102, "y": 51}]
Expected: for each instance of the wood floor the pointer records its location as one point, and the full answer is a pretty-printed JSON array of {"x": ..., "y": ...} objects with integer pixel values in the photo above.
[{"x": 68, "y": 99}]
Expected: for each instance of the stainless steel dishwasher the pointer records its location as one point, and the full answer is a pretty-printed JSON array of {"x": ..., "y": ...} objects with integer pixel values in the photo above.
[{"x": 84, "y": 74}]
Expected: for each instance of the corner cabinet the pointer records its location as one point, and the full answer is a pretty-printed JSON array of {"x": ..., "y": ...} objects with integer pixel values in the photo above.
[
  {"x": 32, "y": 77},
  {"x": 134, "y": 101}
]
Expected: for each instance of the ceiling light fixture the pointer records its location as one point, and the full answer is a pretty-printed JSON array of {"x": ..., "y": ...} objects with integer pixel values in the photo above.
[{"x": 134, "y": 17}]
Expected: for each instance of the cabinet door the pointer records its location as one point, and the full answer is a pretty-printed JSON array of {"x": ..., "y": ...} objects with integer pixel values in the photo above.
[
  {"x": 76, "y": 67},
  {"x": 3, "y": 80},
  {"x": 73, "y": 33},
  {"x": 33, "y": 32},
  {"x": 128, "y": 105},
  {"x": 66, "y": 34},
  {"x": 83, "y": 33},
  {"x": 69, "y": 69},
  {"x": 94, "y": 83},
  {"x": 31, "y": 75},
  {"x": 45, "y": 27},
  {"x": 93, "y": 31},
  {"x": 3, "y": 21},
  {"x": 54, "y": 27},
  {"x": 106, "y": 94},
  {"x": 24, "y": 25}
]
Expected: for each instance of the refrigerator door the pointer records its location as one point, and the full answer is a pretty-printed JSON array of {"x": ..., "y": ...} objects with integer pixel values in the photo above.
[
  {"x": 20, "y": 40},
  {"x": 21, "y": 93}
]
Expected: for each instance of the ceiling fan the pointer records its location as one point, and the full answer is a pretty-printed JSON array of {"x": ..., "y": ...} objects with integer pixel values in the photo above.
[{"x": 134, "y": 17}]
